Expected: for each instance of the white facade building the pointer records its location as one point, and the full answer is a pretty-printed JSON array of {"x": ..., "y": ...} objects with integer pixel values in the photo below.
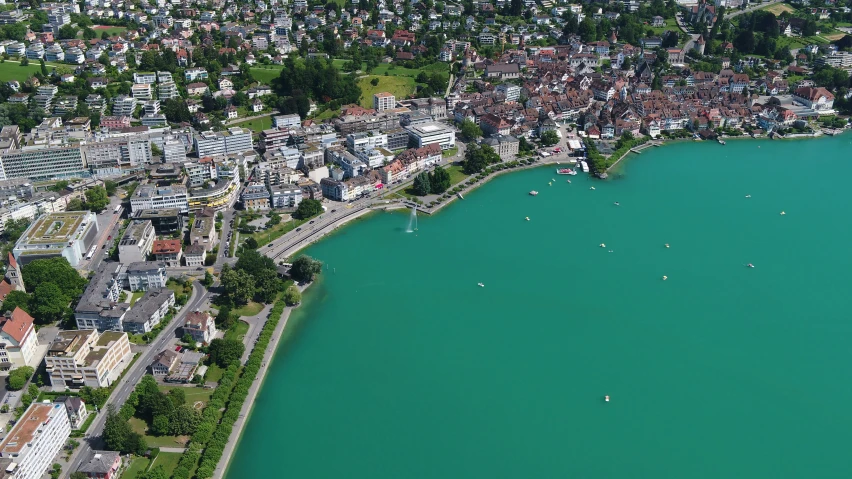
[{"x": 35, "y": 440}]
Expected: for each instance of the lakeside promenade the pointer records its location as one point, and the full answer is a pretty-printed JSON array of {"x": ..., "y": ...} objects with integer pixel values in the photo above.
[{"x": 240, "y": 423}]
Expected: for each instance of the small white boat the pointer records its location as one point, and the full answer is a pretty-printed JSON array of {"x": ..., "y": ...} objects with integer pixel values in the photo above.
[
  {"x": 665, "y": 278},
  {"x": 533, "y": 193},
  {"x": 480, "y": 285},
  {"x": 603, "y": 245},
  {"x": 606, "y": 398},
  {"x": 748, "y": 196},
  {"x": 591, "y": 188},
  {"x": 750, "y": 265},
  {"x": 528, "y": 218},
  {"x": 782, "y": 213},
  {"x": 667, "y": 245},
  {"x": 460, "y": 195},
  {"x": 617, "y": 203}
]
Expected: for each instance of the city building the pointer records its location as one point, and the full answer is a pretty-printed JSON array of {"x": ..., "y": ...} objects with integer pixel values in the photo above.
[
  {"x": 220, "y": 143},
  {"x": 149, "y": 197},
  {"x": 285, "y": 121},
  {"x": 203, "y": 232},
  {"x": 428, "y": 133},
  {"x": 149, "y": 310},
  {"x": 201, "y": 326},
  {"x": 99, "y": 307},
  {"x": 164, "y": 363},
  {"x": 87, "y": 358},
  {"x": 101, "y": 465},
  {"x": 146, "y": 275},
  {"x": 194, "y": 255},
  {"x": 286, "y": 196},
  {"x": 42, "y": 162},
  {"x": 168, "y": 252},
  {"x": 113, "y": 156},
  {"x": 69, "y": 234},
  {"x": 383, "y": 101},
  {"x": 255, "y": 196},
  {"x": 166, "y": 222},
  {"x": 35, "y": 440},
  {"x": 18, "y": 340},
  {"x": 75, "y": 408},
  {"x": 136, "y": 243},
  {"x": 505, "y": 146}
]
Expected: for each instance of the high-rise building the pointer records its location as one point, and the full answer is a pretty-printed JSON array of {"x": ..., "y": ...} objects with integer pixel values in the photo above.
[
  {"x": 383, "y": 101},
  {"x": 234, "y": 140},
  {"x": 35, "y": 440}
]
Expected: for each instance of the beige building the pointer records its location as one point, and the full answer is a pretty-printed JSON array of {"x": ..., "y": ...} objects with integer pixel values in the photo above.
[
  {"x": 383, "y": 101},
  {"x": 18, "y": 340},
  {"x": 136, "y": 244},
  {"x": 87, "y": 358}
]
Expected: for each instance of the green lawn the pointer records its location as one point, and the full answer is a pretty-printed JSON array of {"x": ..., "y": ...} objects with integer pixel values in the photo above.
[
  {"x": 139, "y": 426},
  {"x": 399, "y": 86},
  {"x": 135, "y": 297},
  {"x": 193, "y": 394},
  {"x": 238, "y": 331},
  {"x": 264, "y": 237},
  {"x": 12, "y": 70},
  {"x": 214, "y": 373},
  {"x": 169, "y": 461},
  {"x": 266, "y": 73},
  {"x": 456, "y": 174},
  {"x": 451, "y": 152},
  {"x": 250, "y": 309},
  {"x": 110, "y": 30},
  {"x": 137, "y": 465},
  {"x": 671, "y": 24},
  {"x": 256, "y": 125}
]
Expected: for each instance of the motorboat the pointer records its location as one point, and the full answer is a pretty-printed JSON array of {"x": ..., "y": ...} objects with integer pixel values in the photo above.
[
  {"x": 748, "y": 196},
  {"x": 533, "y": 193},
  {"x": 592, "y": 187},
  {"x": 782, "y": 213},
  {"x": 606, "y": 398},
  {"x": 750, "y": 265},
  {"x": 603, "y": 245},
  {"x": 528, "y": 218},
  {"x": 566, "y": 171},
  {"x": 617, "y": 203},
  {"x": 480, "y": 285},
  {"x": 665, "y": 278}
]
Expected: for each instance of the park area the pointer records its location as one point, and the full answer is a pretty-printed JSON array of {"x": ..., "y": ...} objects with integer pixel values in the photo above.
[
  {"x": 12, "y": 70},
  {"x": 779, "y": 8},
  {"x": 111, "y": 31},
  {"x": 400, "y": 87},
  {"x": 256, "y": 125}
]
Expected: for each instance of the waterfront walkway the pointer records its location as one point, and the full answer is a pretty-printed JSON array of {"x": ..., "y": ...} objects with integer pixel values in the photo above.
[{"x": 240, "y": 423}]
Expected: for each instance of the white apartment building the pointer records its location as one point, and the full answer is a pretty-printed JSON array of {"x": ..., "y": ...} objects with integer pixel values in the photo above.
[
  {"x": 284, "y": 121},
  {"x": 174, "y": 151},
  {"x": 366, "y": 141},
  {"x": 383, "y": 101},
  {"x": 35, "y": 440},
  {"x": 137, "y": 242},
  {"x": 149, "y": 197},
  {"x": 146, "y": 275},
  {"x": 85, "y": 357},
  {"x": 18, "y": 340},
  {"x": 234, "y": 140},
  {"x": 167, "y": 90},
  {"x": 428, "y": 133},
  {"x": 144, "y": 77}
]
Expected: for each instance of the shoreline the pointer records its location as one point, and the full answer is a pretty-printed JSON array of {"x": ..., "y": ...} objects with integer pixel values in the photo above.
[{"x": 248, "y": 405}]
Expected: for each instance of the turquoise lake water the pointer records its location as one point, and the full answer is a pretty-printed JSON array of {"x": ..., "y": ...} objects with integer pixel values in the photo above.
[{"x": 399, "y": 366}]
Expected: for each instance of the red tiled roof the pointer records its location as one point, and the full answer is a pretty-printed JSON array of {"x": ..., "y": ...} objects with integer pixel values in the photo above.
[
  {"x": 166, "y": 246},
  {"x": 18, "y": 325}
]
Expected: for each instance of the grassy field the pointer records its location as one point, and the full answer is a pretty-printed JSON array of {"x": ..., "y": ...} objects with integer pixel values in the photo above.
[
  {"x": 266, "y": 73},
  {"x": 137, "y": 465},
  {"x": 399, "y": 86},
  {"x": 238, "y": 331},
  {"x": 12, "y": 70},
  {"x": 139, "y": 426},
  {"x": 250, "y": 309},
  {"x": 193, "y": 394},
  {"x": 834, "y": 36},
  {"x": 790, "y": 42},
  {"x": 169, "y": 461},
  {"x": 277, "y": 231},
  {"x": 456, "y": 174},
  {"x": 110, "y": 30},
  {"x": 779, "y": 8},
  {"x": 671, "y": 24},
  {"x": 214, "y": 373},
  {"x": 256, "y": 125},
  {"x": 135, "y": 297}
]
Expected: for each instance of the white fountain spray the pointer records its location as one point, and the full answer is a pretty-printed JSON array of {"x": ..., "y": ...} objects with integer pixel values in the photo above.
[{"x": 412, "y": 221}]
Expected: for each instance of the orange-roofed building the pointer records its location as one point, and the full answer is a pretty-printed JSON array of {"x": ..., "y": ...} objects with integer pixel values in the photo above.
[
  {"x": 18, "y": 340},
  {"x": 168, "y": 252}
]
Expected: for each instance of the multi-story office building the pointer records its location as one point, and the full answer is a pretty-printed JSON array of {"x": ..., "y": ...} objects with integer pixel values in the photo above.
[
  {"x": 137, "y": 242},
  {"x": 286, "y": 196},
  {"x": 199, "y": 173},
  {"x": 37, "y": 437},
  {"x": 234, "y": 140},
  {"x": 285, "y": 121},
  {"x": 87, "y": 358},
  {"x": 114, "y": 155},
  {"x": 149, "y": 197},
  {"x": 366, "y": 141},
  {"x": 165, "y": 221},
  {"x": 174, "y": 151},
  {"x": 429, "y": 133},
  {"x": 69, "y": 234},
  {"x": 42, "y": 162}
]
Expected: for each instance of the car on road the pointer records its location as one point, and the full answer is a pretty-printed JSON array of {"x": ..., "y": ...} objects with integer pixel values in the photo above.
[
  {"x": 269, "y": 245},
  {"x": 333, "y": 211},
  {"x": 312, "y": 222},
  {"x": 109, "y": 237},
  {"x": 298, "y": 229}
]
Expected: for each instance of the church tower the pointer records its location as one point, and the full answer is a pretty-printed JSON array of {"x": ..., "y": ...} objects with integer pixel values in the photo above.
[{"x": 13, "y": 274}]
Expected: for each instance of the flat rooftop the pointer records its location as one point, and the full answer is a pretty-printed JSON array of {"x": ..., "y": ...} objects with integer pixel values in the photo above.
[{"x": 55, "y": 227}]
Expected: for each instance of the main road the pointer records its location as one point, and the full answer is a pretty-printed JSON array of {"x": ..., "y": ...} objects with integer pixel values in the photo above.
[{"x": 131, "y": 377}]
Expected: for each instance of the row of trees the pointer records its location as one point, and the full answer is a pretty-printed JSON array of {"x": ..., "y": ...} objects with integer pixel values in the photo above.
[
  {"x": 51, "y": 286},
  {"x": 479, "y": 157}
]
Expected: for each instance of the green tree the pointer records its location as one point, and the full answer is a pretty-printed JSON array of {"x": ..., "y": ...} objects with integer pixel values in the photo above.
[
  {"x": 44, "y": 70},
  {"x": 208, "y": 279},
  {"x": 160, "y": 426},
  {"x": 119, "y": 436},
  {"x": 549, "y": 138},
  {"x": 225, "y": 351},
  {"x": 110, "y": 187},
  {"x": 224, "y": 318},
  {"x": 184, "y": 420},
  {"x": 15, "y": 228},
  {"x": 305, "y": 268},
  {"x": 421, "y": 184},
  {"x": 177, "y": 396},
  {"x": 292, "y": 296},
  {"x": 439, "y": 181},
  {"x": 470, "y": 130},
  {"x": 49, "y": 303},
  {"x": 307, "y": 209},
  {"x": 25, "y": 61},
  {"x": 158, "y": 472},
  {"x": 67, "y": 32},
  {"x": 237, "y": 285},
  {"x": 267, "y": 285},
  {"x": 53, "y": 270},
  {"x": 97, "y": 199},
  {"x": 16, "y": 299},
  {"x": 479, "y": 157},
  {"x": 251, "y": 243},
  {"x": 187, "y": 339},
  {"x": 18, "y": 377},
  {"x": 75, "y": 204}
]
